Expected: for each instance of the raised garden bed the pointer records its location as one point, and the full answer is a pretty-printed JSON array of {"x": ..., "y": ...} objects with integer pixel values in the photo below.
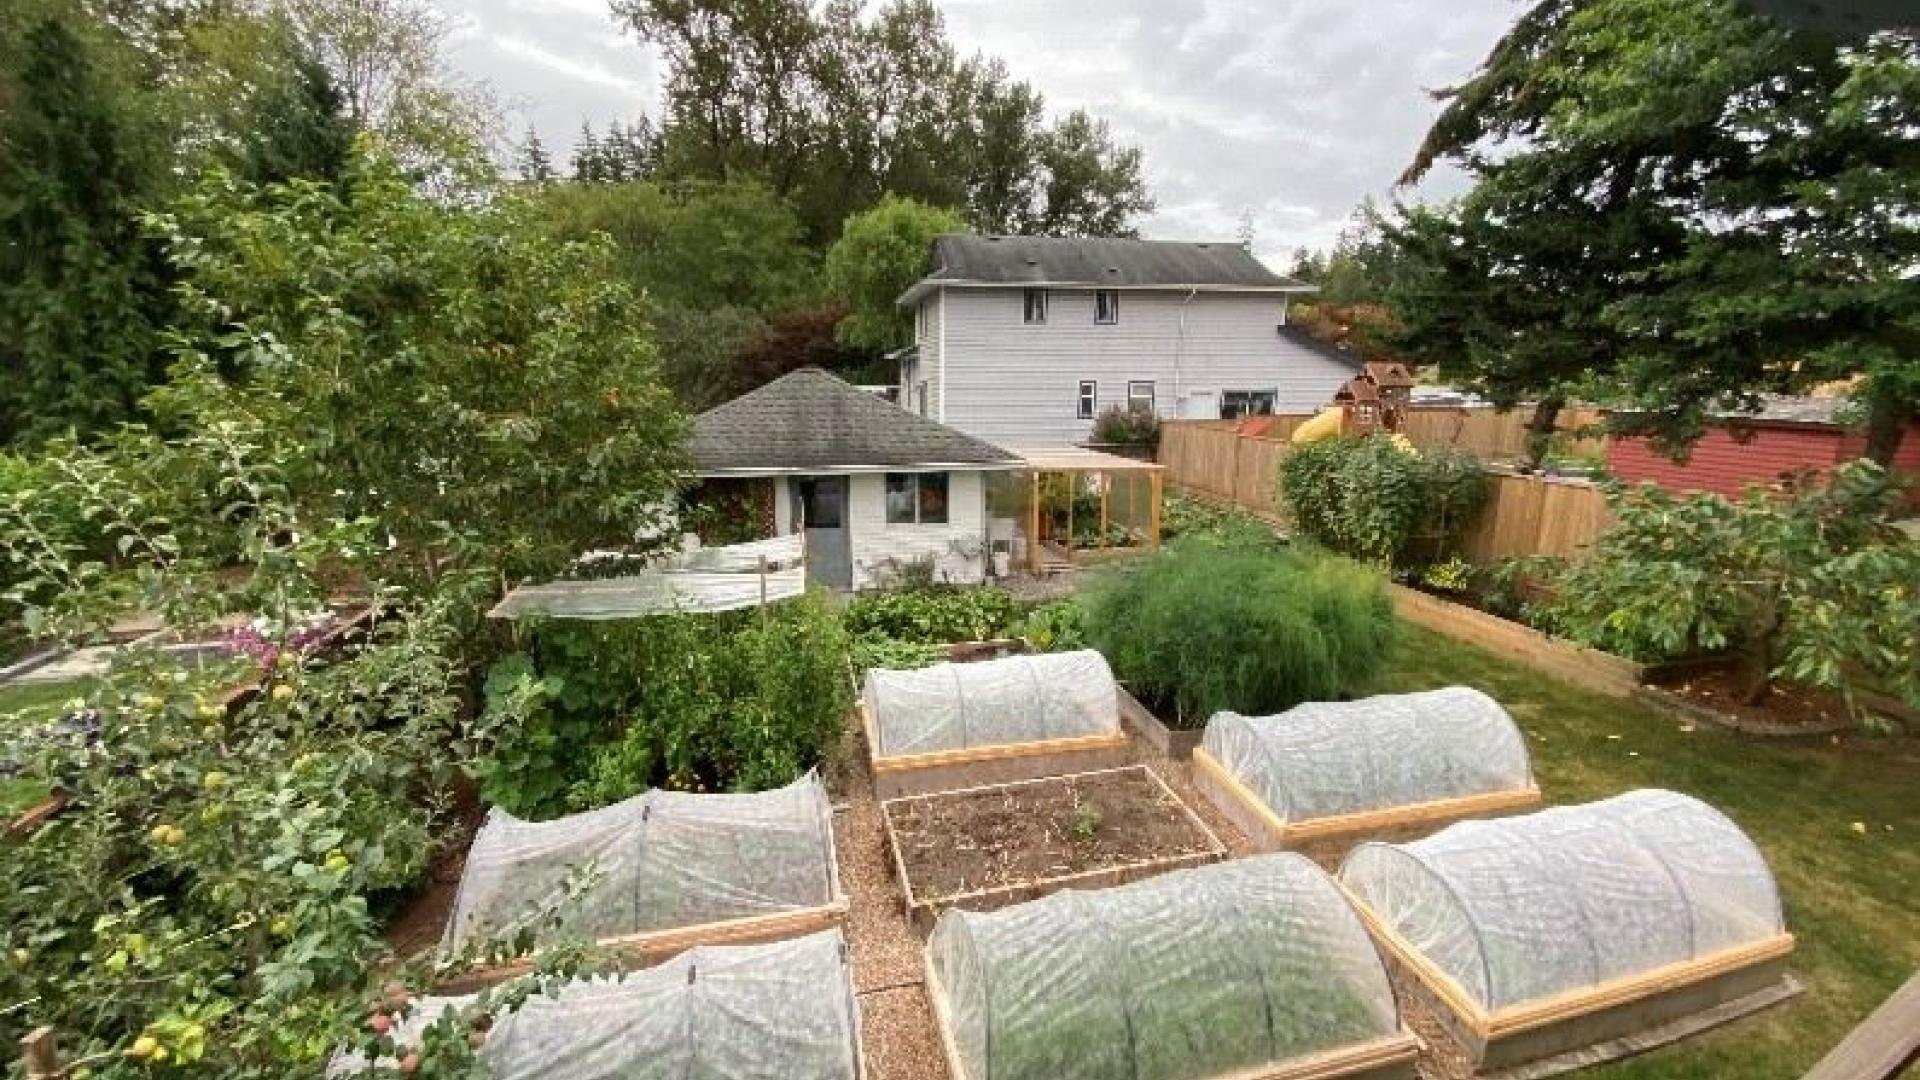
[
  {"x": 1174, "y": 742},
  {"x": 1590, "y": 669},
  {"x": 988, "y": 847}
]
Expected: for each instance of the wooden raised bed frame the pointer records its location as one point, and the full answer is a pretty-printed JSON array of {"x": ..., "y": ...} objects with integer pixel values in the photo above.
[
  {"x": 1267, "y": 831},
  {"x": 1390, "y": 1058},
  {"x": 1719, "y": 987},
  {"x": 980, "y": 766},
  {"x": 1587, "y": 668},
  {"x": 922, "y": 912},
  {"x": 652, "y": 946}
]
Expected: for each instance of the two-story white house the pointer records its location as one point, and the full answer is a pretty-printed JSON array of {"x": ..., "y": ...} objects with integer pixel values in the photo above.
[{"x": 1024, "y": 340}]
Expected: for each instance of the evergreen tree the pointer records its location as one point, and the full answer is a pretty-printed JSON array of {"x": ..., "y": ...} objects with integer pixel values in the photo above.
[
  {"x": 586, "y": 156},
  {"x": 299, "y": 126},
  {"x": 535, "y": 165},
  {"x": 81, "y": 286}
]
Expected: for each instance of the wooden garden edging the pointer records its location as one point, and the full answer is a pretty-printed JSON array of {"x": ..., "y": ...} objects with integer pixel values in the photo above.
[
  {"x": 1170, "y": 741},
  {"x": 1590, "y": 669},
  {"x": 1269, "y": 832},
  {"x": 1727, "y": 984},
  {"x": 1883, "y": 1045},
  {"x": 654, "y": 946},
  {"x": 923, "y": 911}
]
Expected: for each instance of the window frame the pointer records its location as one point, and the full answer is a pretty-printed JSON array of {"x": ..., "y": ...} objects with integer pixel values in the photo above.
[
  {"x": 1028, "y": 306},
  {"x": 1086, "y": 404},
  {"x": 911, "y": 485},
  {"x": 1250, "y": 400},
  {"x": 1152, "y": 403},
  {"x": 1110, "y": 299}
]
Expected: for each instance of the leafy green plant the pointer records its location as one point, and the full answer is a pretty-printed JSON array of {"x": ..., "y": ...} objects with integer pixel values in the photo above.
[
  {"x": 875, "y": 651},
  {"x": 1203, "y": 627},
  {"x": 937, "y": 615},
  {"x": 1454, "y": 575},
  {"x": 1370, "y": 498},
  {"x": 592, "y": 713},
  {"x": 1817, "y": 587},
  {"x": 1053, "y": 627}
]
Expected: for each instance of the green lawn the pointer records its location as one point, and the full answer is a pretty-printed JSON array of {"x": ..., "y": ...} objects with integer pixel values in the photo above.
[
  {"x": 26, "y": 704},
  {"x": 1851, "y": 898}
]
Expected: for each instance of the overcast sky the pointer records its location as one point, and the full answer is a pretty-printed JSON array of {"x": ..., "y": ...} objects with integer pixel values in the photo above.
[{"x": 1292, "y": 110}]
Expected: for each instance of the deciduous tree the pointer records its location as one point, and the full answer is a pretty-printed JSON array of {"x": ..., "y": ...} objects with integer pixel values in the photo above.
[{"x": 879, "y": 254}]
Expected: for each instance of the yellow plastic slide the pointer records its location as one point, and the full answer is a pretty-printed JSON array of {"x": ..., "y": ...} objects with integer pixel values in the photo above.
[{"x": 1327, "y": 425}]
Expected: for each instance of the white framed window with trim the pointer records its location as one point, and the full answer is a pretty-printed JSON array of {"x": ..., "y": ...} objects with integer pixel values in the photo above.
[
  {"x": 1033, "y": 304},
  {"x": 917, "y": 498},
  {"x": 1106, "y": 306},
  {"x": 1087, "y": 405},
  {"x": 1140, "y": 395}
]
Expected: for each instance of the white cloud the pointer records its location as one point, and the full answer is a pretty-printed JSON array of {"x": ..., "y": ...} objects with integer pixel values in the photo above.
[{"x": 1291, "y": 110}]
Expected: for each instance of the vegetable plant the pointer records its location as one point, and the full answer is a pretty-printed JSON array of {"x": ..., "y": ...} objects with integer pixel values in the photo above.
[
  {"x": 1376, "y": 500},
  {"x": 1205, "y": 626}
]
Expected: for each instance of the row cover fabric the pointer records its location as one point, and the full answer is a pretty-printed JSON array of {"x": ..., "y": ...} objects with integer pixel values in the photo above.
[
  {"x": 651, "y": 592},
  {"x": 1191, "y": 974},
  {"x": 1016, "y": 699},
  {"x": 1332, "y": 758},
  {"x": 783, "y": 1011},
  {"x": 1521, "y": 908},
  {"x": 659, "y": 861}
]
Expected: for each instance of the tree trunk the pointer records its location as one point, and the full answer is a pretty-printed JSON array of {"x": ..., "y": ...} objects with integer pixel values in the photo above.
[
  {"x": 1761, "y": 654},
  {"x": 1540, "y": 429},
  {"x": 1887, "y": 420}
]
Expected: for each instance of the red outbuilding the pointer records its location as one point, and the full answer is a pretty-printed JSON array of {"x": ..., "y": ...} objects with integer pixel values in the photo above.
[{"x": 1787, "y": 436}]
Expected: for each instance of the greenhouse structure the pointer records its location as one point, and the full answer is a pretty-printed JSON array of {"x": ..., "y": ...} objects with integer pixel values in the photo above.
[
  {"x": 658, "y": 872},
  {"x": 784, "y": 1010},
  {"x": 989, "y": 721},
  {"x": 1338, "y": 769},
  {"x": 1580, "y": 932},
  {"x": 1254, "y": 966}
]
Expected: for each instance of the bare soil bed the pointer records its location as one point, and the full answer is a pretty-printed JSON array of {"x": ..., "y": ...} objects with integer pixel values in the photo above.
[
  {"x": 1722, "y": 690},
  {"x": 1011, "y": 836}
]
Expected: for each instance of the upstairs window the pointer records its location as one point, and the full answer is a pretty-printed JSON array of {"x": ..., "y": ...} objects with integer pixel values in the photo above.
[
  {"x": 1140, "y": 396},
  {"x": 1106, "y": 306},
  {"x": 1035, "y": 306},
  {"x": 917, "y": 498},
  {"x": 1089, "y": 400}
]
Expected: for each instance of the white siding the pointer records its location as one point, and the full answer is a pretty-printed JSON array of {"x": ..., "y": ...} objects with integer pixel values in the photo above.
[
  {"x": 782, "y": 507},
  {"x": 1015, "y": 384},
  {"x": 958, "y": 547},
  {"x": 927, "y": 342}
]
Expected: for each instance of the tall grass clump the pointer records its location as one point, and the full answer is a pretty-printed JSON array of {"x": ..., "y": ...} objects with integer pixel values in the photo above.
[{"x": 1254, "y": 628}]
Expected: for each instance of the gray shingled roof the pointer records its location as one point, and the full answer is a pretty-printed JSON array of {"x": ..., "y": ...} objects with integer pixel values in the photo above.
[
  {"x": 1096, "y": 262},
  {"x": 810, "y": 420}
]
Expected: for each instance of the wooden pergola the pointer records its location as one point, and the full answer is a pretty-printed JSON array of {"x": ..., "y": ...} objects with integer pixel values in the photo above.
[{"x": 1070, "y": 464}]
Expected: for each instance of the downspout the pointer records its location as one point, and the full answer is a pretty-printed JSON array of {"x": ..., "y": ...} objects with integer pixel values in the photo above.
[{"x": 1180, "y": 345}]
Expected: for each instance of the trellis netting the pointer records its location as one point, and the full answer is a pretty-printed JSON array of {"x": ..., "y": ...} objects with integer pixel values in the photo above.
[
  {"x": 1192, "y": 974},
  {"x": 992, "y": 702},
  {"x": 1332, "y": 758},
  {"x": 783, "y": 1011},
  {"x": 658, "y": 861},
  {"x": 1522, "y": 908}
]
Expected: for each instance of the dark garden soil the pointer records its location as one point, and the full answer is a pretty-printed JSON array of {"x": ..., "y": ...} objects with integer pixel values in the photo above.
[
  {"x": 420, "y": 917},
  {"x": 1015, "y": 834},
  {"x": 1724, "y": 691}
]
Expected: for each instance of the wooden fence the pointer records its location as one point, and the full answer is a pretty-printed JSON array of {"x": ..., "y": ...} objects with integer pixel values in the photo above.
[{"x": 1525, "y": 515}]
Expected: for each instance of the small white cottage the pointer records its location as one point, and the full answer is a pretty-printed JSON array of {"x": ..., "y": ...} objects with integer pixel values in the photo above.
[{"x": 873, "y": 486}]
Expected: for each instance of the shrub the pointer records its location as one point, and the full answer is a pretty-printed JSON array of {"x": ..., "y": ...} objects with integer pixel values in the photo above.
[
  {"x": 1203, "y": 627},
  {"x": 1376, "y": 500},
  {"x": 594, "y": 712},
  {"x": 1817, "y": 587},
  {"x": 1126, "y": 427},
  {"x": 1055, "y": 627},
  {"x": 937, "y": 615}
]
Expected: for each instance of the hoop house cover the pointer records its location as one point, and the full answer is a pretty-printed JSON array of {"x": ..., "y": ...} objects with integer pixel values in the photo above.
[
  {"x": 663, "y": 860},
  {"x": 1192, "y": 974},
  {"x": 1017, "y": 699},
  {"x": 1519, "y": 909},
  {"x": 760, "y": 1012},
  {"x": 1338, "y": 758}
]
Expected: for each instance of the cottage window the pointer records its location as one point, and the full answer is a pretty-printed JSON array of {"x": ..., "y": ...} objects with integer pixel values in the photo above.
[
  {"x": 1089, "y": 399},
  {"x": 917, "y": 498},
  {"x": 1140, "y": 396},
  {"x": 1036, "y": 306},
  {"x": 1237, "y": 403},
  {"x": 1106, "y": 306}
]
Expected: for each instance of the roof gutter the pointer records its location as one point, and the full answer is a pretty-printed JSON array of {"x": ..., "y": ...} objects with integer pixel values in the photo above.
[{"x": 920, "y": 288}]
